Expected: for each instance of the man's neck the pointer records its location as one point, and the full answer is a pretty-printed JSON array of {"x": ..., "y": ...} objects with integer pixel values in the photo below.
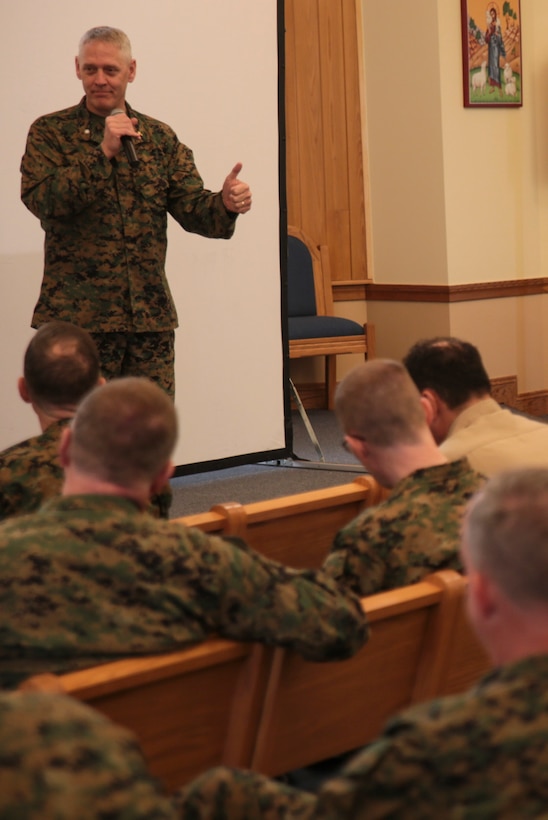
[
  {"x": 390, "y": 465},
  {"x": 79, "y": 484},
  {"x": 49, "y": 417}
]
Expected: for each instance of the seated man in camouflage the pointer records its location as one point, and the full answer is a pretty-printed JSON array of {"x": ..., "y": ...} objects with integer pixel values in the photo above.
[
  {"x": 92, "y": 577},
  {"x": 61, "y": 366},
  {"x": 60, "y": 759},
  {"x": 416, "y": 529},
  {"x": 478, "y": 754}
]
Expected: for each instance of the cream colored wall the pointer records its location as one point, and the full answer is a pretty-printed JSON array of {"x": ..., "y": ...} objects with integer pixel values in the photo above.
[
  {"x": 404, "y": 142},
  {"x": 495, "y": 197},
  {"x": 457, "y": 195},
  {"x": 509, "y": 332}
]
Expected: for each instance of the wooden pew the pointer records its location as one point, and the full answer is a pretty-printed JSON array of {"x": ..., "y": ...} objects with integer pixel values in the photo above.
[
  {"x": 312, "y": 712},
  {"x": 296, "y": 530},
  {"x": 190, "y": 709},
  {"x": 243, "y": 705},
  {"x": 461, "y": 662}
]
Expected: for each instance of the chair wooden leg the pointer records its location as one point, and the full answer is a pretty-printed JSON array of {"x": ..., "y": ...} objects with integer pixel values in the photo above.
[{"x": 330, "y": 380}]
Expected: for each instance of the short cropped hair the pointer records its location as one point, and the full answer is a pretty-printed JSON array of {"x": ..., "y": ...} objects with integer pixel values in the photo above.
[
  {"x": 107, "y": 34},
  {"x": 124, "y": 431},
  {"x": 378, "y": 402},
  {"x": 449, "y": 366},
  {"x": 61, "y": 365},
  {"x": 506, "y": 530}
]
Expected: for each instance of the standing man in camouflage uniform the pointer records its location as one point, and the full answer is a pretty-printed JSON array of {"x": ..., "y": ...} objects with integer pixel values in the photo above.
[
  {"x": 105, "y": 219},
  {"x": 480, "y": 754},
  {"x": 61, "y": 365},
  {"x": 417, "y": 529},
  {"x": 92, "y": 577}
]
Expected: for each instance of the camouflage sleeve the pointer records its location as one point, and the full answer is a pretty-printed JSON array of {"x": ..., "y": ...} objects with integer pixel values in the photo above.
[
  {"x": 245, "y": 596},
  {"x": 194, "y": 207},
  {"x": 229, "y": 794},
  {"x": 57, "y": 182},
  {"x": 15, "y": 498},
  {"x": 355, "y": 559},
  {"x": 60, "y": 759}
]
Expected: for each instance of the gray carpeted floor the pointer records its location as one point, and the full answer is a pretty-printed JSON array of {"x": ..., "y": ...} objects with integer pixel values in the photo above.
[{"x": 257, "y": 482}]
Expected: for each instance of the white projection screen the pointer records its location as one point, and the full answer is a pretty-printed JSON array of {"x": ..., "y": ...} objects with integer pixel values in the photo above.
[{"x": 209, "y": 68}]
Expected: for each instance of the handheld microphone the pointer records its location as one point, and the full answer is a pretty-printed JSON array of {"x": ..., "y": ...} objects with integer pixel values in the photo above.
[{"x": 127, "y": 142}]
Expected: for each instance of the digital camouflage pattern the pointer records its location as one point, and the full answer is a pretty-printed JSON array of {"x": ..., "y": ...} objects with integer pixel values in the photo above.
[
  {"x": 60, "y": 760},
  {"x": 138, "y": 354},
  {"x": 414, "y": 532},
  {"x": 30, "y": 473},
  {"x": 105, "y": 223},
  {"x": 87, "y": 579},
  {"x": 483, "y": 754}
]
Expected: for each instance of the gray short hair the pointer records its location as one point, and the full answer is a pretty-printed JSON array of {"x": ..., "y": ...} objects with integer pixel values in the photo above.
[
  {"x": 107, "y": 34},
  {"x": 506, "y": 529}
]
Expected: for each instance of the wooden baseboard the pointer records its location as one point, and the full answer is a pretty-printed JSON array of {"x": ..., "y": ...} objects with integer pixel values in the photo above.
[{"x": 504, "y": 389}]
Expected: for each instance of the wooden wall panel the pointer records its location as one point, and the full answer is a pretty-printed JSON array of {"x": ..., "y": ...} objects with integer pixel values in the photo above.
[{"x": 325, "y": 179}]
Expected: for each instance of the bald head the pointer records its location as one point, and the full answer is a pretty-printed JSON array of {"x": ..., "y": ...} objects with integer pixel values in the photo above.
[
  {"x": 449, "y": 366},
  {"x": 61, "y": 366}
]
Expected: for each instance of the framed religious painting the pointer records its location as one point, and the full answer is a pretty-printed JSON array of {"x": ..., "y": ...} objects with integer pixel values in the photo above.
[{"x": 491, "y": 53}]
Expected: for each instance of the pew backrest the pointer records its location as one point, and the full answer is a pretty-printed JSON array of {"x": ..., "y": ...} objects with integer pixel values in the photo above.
[
  {"x": 190, "y": 709},
  {"x": 316, "y": 711},
  {"x": 296, "y": 530}
]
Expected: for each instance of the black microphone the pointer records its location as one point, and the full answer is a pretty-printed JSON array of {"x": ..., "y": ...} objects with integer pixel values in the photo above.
[{"x": 127, "y": 142}]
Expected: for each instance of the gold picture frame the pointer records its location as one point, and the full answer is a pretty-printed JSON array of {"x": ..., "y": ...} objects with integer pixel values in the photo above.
[{"x": 491, "y": 52}]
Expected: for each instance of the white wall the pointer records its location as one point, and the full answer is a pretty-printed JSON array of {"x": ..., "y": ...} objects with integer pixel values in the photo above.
[{"x": 209, "y": 69}]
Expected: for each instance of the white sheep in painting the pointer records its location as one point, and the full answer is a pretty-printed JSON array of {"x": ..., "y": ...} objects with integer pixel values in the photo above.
[
  {"x": 508, "y": 73},
  {"x": 510, "y": 88},
  {"x": 479, "y": 79}
]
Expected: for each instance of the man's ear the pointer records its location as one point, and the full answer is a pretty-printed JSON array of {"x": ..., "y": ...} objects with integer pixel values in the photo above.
[
  {"x": 132, "y": 70},
  {"x": 23, "y": 390},
  {"x": 359, "y": 447},
  {"x": 430, "y": 404},
  {"x": 64, "y": 447},
  {"x": 162, "y": 478},
  {"x": 482, "y": 595}
]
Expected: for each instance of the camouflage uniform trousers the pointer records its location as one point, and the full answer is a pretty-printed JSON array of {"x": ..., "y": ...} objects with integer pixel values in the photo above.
[{"x": 139, "y": 354}]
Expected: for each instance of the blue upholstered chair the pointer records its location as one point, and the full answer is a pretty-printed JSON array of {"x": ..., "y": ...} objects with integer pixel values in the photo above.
[{"x": 313, "y": 329}]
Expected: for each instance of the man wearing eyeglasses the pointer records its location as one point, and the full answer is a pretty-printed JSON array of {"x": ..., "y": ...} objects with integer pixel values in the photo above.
[{"x": 416, "y": 530}]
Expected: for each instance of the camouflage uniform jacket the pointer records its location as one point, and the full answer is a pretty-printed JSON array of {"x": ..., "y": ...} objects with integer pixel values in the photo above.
[
  {"x": 105, "y": 223},
  {"x": 414, "y": 532},
  {"x": 483, "y": 754},
  {"x": 62, "y": 760},
  {"x": 30, "y": 473},
  {"x": 89, "y": 578}
]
